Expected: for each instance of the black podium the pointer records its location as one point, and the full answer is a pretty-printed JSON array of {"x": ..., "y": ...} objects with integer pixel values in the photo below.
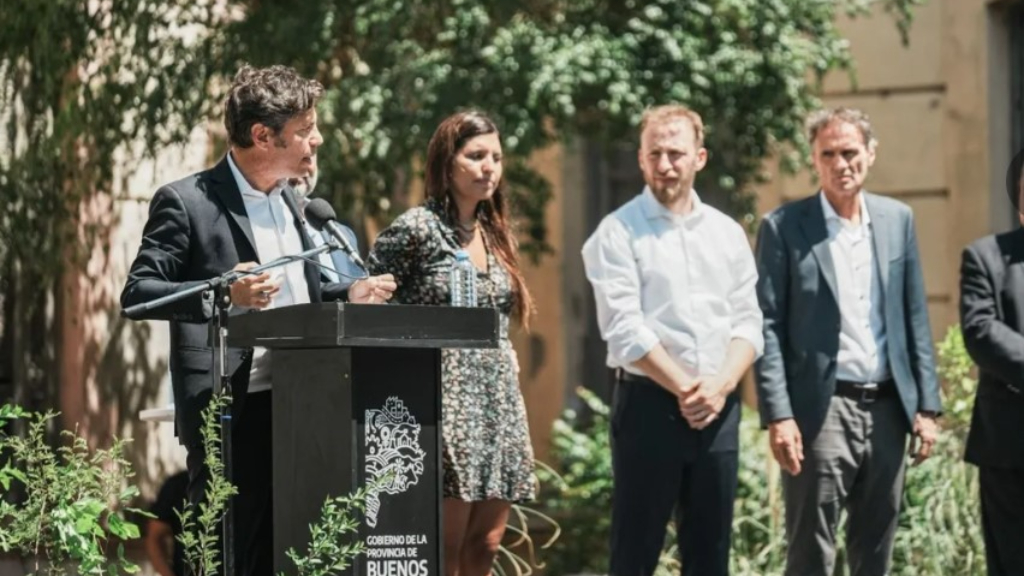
[{"x": 357, "y": 397}]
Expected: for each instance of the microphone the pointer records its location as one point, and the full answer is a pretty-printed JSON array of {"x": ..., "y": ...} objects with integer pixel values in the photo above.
[{"x": 322, "y": 217}]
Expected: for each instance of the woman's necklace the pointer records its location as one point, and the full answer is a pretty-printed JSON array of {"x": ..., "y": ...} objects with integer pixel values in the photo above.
[{"x": 466, "y": 231}]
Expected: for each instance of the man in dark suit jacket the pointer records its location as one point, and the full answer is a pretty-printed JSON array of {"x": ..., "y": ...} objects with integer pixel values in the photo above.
[
  {"x": 992, "y": 318},
  {"x": 848, "y": 368},
  {"x": 232, "y": 216}
]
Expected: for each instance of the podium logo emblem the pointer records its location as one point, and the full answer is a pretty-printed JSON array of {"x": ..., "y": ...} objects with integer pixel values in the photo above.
[{"x": 394, "y": 457}]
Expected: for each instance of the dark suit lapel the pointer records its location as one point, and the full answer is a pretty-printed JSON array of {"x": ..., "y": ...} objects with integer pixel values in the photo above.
[
  {"x": 882, "y": 236},
  {"x": 228, "y": 194},
  {"x": 816, "y": 233},
  {"x": 311, "y": 271}
]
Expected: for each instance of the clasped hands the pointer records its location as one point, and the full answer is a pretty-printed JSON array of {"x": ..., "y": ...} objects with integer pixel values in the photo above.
[
  {"x": 701, "y": 400},
  {"x": 258, "y": 290}
]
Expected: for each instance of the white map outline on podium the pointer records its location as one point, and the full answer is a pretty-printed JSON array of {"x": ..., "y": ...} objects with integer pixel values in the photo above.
[{"x": 393, "y": 453}]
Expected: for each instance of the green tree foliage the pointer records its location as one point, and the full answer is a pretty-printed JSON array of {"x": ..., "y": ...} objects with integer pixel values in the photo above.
[
  {"x": 79, "y": 82},
  {"x": 548, "y": 69}
]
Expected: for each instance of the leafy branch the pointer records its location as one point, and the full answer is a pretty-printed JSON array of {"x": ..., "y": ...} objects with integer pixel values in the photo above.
[
  {"x": 200, "y": 537},
  {"x": 72, "y": 497},
  {"x": 332, "y": 548}
]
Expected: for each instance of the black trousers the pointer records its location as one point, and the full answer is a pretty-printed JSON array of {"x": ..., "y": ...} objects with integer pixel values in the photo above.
[
  {"x": 252, "y": 474},
  {"x": 1002, "y": 519},
  {"x": 660, "y": 464}
]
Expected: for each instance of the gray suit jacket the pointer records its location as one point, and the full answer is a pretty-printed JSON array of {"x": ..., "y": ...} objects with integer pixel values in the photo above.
[{"x": 796, "y": 377}]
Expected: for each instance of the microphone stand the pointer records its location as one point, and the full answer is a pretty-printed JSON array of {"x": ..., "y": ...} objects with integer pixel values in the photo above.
[{"x": 219, "y": 289}]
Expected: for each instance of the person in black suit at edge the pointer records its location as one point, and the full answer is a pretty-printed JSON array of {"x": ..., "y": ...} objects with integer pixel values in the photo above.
[
  {"x": 992, "y": 319},
  {"x": 230, "y": 217}
]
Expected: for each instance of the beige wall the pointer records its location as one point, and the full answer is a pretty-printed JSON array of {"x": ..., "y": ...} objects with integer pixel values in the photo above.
[{"x": 542, "y": 353}]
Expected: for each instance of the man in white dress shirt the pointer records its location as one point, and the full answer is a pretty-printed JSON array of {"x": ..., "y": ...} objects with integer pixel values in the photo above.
[
  {"x": 848, "y": 368},
  {"x": 674, "y": 280}
]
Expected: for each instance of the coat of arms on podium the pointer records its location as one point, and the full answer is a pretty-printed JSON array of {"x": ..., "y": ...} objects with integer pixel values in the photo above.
[{"x": 394, "y": 457}]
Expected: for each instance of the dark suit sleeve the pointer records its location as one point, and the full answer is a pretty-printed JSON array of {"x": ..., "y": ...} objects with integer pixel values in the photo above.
[
  {"x": 995, "y": 347},
  {"x": 161, "y": 263},
  {"x": 772, "y": 294},
  {"x": 335, "y": 291},
  {"x": 919, "y": 332}
]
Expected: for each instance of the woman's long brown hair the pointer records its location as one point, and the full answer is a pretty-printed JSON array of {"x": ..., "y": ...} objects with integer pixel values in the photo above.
[{"x": 453, "y": 133}]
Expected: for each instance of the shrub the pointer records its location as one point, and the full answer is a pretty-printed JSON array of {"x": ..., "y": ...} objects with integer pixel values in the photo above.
[
  {"x": 69, "y": 510},
  {"x": 579, "y": 497}
]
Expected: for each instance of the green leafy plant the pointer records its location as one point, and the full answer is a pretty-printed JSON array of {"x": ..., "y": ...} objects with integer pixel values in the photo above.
[
  {"x": 579, "y": 495},
  {"x": 71, "y": 499},
  {"x": 331, "y": 548},
  {"x": 758, "y": 529},
  {"x": 200, "y": 537},
  {"x": 940, "y": 526},
  {"x": 957, "y": 371}
]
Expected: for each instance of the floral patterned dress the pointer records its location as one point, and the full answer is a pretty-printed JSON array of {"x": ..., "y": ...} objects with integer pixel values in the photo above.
[{"x": 487, "y": 453}]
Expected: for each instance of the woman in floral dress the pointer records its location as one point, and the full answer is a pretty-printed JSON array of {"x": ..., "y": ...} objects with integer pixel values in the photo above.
[{"x": 488, "y": 461}]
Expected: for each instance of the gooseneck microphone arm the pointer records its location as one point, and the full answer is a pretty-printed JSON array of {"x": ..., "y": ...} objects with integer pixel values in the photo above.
[{"x": 322, "y": 217}]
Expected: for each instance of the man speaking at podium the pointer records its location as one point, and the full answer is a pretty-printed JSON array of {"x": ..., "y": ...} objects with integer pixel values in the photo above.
[{"x": 232, "y": 216}]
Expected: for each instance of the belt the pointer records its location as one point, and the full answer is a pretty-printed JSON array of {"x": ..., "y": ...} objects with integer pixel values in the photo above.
[
  {"x": 866, "y": 393},
  {"x": 623, "y": 376}
]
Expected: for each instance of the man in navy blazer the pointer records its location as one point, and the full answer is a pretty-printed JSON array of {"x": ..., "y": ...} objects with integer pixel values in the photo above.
[
  {"x": 232, "y": 216},
  {"x": 848, "y": 369}
]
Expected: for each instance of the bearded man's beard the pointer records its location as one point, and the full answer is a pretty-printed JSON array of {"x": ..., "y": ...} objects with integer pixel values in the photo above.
[{"x": 668, "y": 194}]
